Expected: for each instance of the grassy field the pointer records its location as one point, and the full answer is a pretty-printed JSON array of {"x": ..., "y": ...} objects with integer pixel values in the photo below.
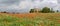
[{"x": 30, "y": 19}]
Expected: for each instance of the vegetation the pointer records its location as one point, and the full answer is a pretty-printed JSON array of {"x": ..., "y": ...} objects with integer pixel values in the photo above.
[
  {"x": 32, "y": 11},
  {"x": 6, "y": 20},
  {"x": 57, "y": 11},
  {"x": 44, "y": 10},
  {"x": 47, "y": 10}
]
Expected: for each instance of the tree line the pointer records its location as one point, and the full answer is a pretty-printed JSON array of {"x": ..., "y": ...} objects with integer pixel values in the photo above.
[{"x": 44, "y": 10}]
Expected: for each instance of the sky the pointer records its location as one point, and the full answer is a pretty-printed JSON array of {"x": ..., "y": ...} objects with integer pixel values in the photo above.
[{"x": 26, "y": 5}]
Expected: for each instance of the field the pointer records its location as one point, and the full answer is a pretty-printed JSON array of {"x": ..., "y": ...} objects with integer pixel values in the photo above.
[{"x": 30, "y": 19}]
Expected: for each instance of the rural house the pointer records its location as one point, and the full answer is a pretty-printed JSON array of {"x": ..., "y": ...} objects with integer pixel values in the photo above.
[{"x": 36, "y": 10}]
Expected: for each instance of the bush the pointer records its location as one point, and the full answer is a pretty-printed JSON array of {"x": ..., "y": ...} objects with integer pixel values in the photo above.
[
  {"x": 32, "y": 11},
  {"x": 57, "y": 11},
  {"x": 45, "y": 10}
]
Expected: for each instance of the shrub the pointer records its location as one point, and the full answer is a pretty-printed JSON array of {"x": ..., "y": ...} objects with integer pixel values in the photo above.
[
  {"x": 45, "y": 10},
  {"x": 32, "y": 11}
]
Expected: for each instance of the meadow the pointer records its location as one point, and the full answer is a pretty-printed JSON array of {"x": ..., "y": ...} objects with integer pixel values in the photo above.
[{"x": 30, "y": 19}]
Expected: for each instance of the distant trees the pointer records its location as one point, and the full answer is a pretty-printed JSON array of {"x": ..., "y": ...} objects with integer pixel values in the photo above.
[
  {"x": 10, "y": 12},
  {"x": 44, "y": 10},
  {"x": 4, "y": 12},
  {"x": 47, "y": 10},
  {"x": 57, "y": 11},
  {"x": 32, "y": 11}
]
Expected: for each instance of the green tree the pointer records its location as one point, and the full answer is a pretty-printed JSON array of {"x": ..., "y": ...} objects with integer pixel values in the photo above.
[
  {"x": 32, "y": 11},
  {"x": 45, "y": 10},
  {"x": 57, "y": 10}
]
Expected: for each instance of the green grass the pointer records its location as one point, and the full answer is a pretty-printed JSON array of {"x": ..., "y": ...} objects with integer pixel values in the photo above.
[{"x": 6, "y": 20}]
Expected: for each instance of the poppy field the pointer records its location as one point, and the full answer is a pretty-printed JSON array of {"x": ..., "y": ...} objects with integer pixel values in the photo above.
[{"x": 30, "y": 19}]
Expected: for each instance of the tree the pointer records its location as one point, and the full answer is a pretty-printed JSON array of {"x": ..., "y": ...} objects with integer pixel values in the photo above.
[
  {"x": 57, "y": 10},
  {"x": 4, "y": 12},
  {"x": 32, "y": 11},
  {"x": 45, "y": 10}
]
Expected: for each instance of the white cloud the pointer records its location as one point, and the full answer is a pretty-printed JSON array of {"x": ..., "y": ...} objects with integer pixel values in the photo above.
[
  {"x": 25, "y": 4},
  {"x": 28, "y": 4}
]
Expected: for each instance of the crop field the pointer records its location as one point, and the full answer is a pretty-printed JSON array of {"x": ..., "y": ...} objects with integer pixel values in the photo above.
[{"x": 30, "y": 19}]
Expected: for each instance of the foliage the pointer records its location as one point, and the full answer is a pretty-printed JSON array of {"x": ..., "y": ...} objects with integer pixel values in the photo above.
[
  {"x": 45, "y": 10},
  {"x": 57, "y": 11},
  {"x": 32, "y": 11}
]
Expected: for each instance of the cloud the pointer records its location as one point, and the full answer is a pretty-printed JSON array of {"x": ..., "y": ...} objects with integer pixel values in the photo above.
[
  {"x": 58, "y": 1},
  {"x": 23, "y": 5},
  {"x": 8, "y": 2}
]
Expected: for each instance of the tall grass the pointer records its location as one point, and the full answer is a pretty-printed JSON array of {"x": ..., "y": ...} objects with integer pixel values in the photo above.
[{"x": 6, "y": 20}]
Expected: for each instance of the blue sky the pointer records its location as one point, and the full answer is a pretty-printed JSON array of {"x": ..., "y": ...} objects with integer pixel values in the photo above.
[{"x": 26, "y": 5}]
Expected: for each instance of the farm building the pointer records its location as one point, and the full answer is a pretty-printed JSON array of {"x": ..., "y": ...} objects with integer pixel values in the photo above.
[{"x": 36, "y": 10}]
